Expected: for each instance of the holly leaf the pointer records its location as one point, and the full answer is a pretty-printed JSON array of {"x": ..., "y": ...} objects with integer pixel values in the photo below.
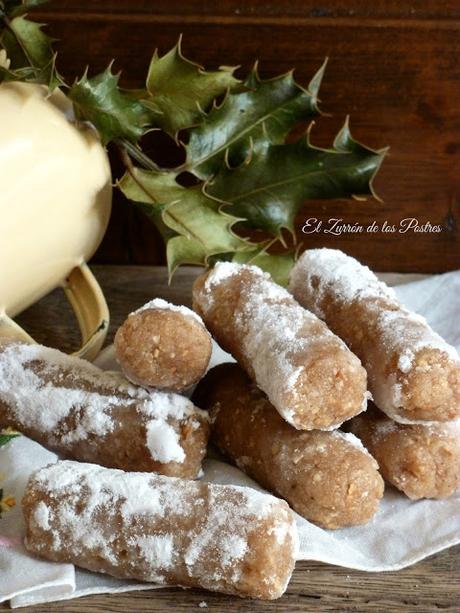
[
  {"x": 179, "y": 91},
  {"x": 14, "y": 8},
  {"x": 271, "y": 188},
  {"x": 20, "y": 74},
  {"x": 197, "y": 226},
  {"x": 279, "y": 266},
  {"x": 29, "y": 49},
  {"x": 114, "y": 113},
  {"x": 248, "y": 121}
]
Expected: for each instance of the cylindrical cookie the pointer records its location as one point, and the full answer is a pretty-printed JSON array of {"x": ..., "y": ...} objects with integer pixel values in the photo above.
[
  {"x": 327, "y": 477},
  {"x": 164, "y": 346},
  {"x": 414, "y": 375},
  {"x": 76, "y": 409},
  {"x": 421, "y": 461},
  {"x": 170, "y": 531},
  {"x": 307, "y": 372}
]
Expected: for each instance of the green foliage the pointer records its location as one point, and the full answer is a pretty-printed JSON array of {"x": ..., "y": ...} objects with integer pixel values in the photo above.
[
  {"x": 193, "y": 223},
  {"x": 269, "y": 190},
  {"x": 179, "y": 91},
  {"x": 248, "y": 177},
  {"x": 114, "y": 114},
  {"x": 246, "y": 122},
  {"x": 30, "y": 52}
]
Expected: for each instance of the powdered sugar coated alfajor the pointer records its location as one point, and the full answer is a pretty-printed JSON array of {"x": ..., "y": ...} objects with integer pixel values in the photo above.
[
  {"x": 307, "y": 372},
  {"x": 327, "y": 477},
  {"x": 164, "y": 346},
  {"x": 421, "y": 461},
  {"x": 161, "y": 529},
  {"x": 414, "y": 375},
  {"x": 76, "y": 409}
]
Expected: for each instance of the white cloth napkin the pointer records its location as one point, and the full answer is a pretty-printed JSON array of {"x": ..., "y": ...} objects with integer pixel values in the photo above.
[{"x": 402, "y": 533}]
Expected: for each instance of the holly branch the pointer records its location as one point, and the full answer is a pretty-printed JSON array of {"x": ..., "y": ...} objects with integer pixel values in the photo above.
[{"x": 233, "y": 132}]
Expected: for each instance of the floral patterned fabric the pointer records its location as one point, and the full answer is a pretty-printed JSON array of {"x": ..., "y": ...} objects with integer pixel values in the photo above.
[{"x": 7, "y": 501}]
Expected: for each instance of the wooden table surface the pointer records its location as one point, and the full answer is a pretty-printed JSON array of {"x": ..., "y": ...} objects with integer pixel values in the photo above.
[{"x": 429, "y": 585}]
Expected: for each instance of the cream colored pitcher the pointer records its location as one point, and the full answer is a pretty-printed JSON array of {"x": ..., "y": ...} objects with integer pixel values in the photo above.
[{"x": 55, "y": 202}]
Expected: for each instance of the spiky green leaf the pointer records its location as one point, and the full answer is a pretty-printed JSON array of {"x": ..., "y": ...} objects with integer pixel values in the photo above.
[
  {"x": 29, "y": 49},
  {"x": 248, "y": 121},
  {"x": 179, "y": 91},
  {"x": 198, "y": 227},
  {"x": 269, "y": 191},
  {"x": 114, "y": 114}
]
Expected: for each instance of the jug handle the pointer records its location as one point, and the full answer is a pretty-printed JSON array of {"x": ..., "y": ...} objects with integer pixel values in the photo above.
[{"x": 89, "y": 305}]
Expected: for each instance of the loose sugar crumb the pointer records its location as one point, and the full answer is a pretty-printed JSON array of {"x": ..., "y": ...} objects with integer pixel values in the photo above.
[
  {"x": 42, "y": 516},
  {"x": 405, "y": 361},
  {"x": 163, "y": 442}
]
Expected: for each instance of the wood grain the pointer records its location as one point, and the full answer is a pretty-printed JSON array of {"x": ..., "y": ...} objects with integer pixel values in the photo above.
[
  {"x": 427, "y": 586},
  {"x": 418, "y": 9},
  {"x": 393, "y": 66}
]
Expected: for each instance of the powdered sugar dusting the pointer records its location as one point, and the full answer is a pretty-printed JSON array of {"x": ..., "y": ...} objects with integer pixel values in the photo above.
[
  {"x": 349, "y": 278},
  {"x": 163, "y": 523},
  {"x": 401, "y": 330},
  {"x": 233, "y": 548},
  {"x": 35, "y": 400},
  {"x": 406, "y": 333},
  {"x": 68, "y": 400},
  {"x": 223, "y": 270},
  {"x": 399, "y": 333},
  {"x": 275, "y": 330},
  {"x": 156, "y": 549},
  {"x": 159, "y": 303}
]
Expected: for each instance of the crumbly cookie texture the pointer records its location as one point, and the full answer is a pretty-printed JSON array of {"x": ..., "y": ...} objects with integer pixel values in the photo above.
[
  {"x": 80, "y": 411},
  {"x": 307, "y": 372},
  {"x": 421, "y": 461},
  {"x": 327, "y": 477},
  {"x": 163, "y": 346},
  {"x": 165, "y": 530},
  {"x": 414, "y": 375}
]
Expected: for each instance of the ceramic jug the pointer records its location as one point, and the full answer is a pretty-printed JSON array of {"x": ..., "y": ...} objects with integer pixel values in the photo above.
[{"x": 55, "y": 202}]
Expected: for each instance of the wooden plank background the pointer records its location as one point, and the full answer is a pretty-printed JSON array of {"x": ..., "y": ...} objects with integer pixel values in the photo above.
[{"x": 393, "y": 66}]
